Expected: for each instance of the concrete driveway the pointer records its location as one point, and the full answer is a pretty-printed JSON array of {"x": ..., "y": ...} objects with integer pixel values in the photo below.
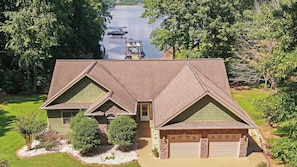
[{"x": 146, "y": 159}]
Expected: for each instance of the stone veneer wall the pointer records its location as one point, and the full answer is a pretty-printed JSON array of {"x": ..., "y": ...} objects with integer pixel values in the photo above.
[
  {"x": 164, "y": 148},
  {"x": 204, "y": 147},
  {"x": 243, "y": 146},
  {"x": 155, "y": 138}
]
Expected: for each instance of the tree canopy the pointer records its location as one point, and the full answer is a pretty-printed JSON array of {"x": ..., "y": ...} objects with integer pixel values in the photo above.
[
  {"x": 37, "y": 32},
  {"x": 209, "y": 26}
]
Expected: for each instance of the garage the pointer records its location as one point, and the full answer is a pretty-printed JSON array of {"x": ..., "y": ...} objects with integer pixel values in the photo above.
[
  {"x": 184, "y": 145},
  {"x": 224, "y": 145}
]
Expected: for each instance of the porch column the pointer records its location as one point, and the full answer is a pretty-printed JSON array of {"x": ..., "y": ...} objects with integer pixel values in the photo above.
[
  {"x": 164, "y": 148},
  {"x": 204, "y": 147},
  {"x": 243, "y": 146}
]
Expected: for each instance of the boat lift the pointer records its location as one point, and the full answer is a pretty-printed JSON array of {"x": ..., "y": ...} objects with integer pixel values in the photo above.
[{"x": 134, "y": 50}]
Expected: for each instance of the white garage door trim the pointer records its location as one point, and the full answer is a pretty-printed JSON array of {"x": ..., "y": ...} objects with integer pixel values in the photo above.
[
  {"x": 224, "y": 145},
  {"x": 184, "y": 145}
]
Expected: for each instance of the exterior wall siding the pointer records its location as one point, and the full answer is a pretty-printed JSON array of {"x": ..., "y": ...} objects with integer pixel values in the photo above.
[
  {"x": 55, "y": 121},
  {"x": 207, "y": 109},
  {"x": 85, "y": 91}
]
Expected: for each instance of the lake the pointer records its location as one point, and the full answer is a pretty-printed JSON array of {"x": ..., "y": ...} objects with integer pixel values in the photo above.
[{"x": 138, "y": 28}]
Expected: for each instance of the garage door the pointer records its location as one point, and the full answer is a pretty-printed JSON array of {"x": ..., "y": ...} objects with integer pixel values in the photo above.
[
  {"x": 224, "y": 145},
  {"x": 184, "y": 145}
]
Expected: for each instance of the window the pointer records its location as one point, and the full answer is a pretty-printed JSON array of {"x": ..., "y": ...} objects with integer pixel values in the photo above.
[{"x": 67, "y": 115}]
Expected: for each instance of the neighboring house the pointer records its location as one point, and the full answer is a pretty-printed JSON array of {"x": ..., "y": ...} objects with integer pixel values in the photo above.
[{"x": 188, "y": 102}]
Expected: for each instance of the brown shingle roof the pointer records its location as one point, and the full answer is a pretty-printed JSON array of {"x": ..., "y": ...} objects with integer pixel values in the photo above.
[
  {"x": 186, "y": 89},
  {"x": 172, "y": 85}
]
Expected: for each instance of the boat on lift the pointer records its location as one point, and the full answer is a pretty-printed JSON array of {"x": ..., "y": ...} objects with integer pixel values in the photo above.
[
  {"x": 134, "y": 49},
  {"x": 117, "y": 30}
]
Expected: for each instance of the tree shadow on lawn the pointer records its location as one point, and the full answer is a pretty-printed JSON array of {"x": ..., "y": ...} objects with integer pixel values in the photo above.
[
  {"x": 5, "y": 99},
  {"x": 4, "y": 122},
  {"x": 9, "y": 99}
]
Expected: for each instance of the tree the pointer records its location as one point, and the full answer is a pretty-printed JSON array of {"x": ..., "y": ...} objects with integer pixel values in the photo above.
[
  {"x": 28, "y": 125},
  {"x": 241, "y": 73},
  {"x": 86, "y": 134},
  {"x": 284, "y": 150},
  {"x": 209, "y": 26},
  {"x": 31, "y": 35},
  {"x": 37, "y": 32},
  {"x": 122, "y": 131},
  {"x": 277, "y": 108},
  {"x": 268, "y": 40}
]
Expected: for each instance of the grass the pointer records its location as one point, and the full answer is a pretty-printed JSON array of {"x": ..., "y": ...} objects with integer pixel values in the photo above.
[
  {"x": 245, "y": 99},
  {"x": 10, "y": 141}
]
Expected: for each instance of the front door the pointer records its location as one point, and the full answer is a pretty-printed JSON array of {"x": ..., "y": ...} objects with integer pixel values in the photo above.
[{"x": 144, "y": 112}]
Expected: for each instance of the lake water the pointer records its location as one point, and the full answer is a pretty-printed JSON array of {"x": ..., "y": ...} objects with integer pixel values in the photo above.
[{"x": 138, "y": 28}]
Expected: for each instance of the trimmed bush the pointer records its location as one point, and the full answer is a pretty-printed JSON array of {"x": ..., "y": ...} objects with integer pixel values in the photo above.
[
  {"x": 75, "y": 120},
  {"x": 85, "y": 135},
  {"x": 122, "y": 131}
]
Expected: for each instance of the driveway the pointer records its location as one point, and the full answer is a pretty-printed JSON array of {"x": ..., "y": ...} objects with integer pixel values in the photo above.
[{"x": 146, "y": 159}]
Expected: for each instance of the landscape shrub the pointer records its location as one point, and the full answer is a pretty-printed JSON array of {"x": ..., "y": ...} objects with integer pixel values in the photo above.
[
  {"x": 262, "y": 164},
  {"x": 50, "y": 139},
  {"x": 155, "y": 152},
  {"x": 122, "y": 131},
  {"x": 76, "y": 119},
  {"x": 4, "y": 163},
  {"x": 85, "y": 135}
]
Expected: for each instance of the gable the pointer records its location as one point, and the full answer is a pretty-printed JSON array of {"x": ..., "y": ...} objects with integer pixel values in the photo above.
[
  {"x": 84, "y": 91},
  {"x": 206, "y": 110},
  {"x": 108, "y": 108}
]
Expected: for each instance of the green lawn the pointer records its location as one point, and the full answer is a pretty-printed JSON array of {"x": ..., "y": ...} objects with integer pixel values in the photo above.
[
  {"x": 11, "y": 141},
  {"x": 245, "y": 99}
]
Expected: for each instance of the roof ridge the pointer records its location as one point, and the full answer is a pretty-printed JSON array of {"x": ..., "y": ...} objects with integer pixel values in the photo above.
[
  {"x": 194, "y": 71},
  {"x": 89, "y": 68},
  {"x": 117, "y": 80}
]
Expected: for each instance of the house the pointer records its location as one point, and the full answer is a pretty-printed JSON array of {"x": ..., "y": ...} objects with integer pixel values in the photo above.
[{"x": 188, "y": 102}]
